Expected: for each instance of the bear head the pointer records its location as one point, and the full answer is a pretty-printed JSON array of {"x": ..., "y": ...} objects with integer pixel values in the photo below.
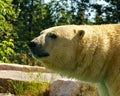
[{"x": 57, "y": 47}]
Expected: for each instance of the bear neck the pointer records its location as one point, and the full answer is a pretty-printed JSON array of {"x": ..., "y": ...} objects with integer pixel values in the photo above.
[{"x": 92, "y": 53}]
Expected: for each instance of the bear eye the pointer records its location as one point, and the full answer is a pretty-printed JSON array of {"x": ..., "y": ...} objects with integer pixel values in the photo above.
[{"x": 53, "y": 36}]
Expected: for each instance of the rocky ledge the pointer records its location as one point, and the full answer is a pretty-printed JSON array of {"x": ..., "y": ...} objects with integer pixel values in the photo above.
[{"x": 59, "y": 86}]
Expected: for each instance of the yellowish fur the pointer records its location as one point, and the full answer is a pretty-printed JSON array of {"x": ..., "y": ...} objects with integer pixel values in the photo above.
[{"x": 89, "y": 53}]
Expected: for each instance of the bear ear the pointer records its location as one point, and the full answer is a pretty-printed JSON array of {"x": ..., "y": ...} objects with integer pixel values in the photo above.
[{"x": 79, "y": 33}]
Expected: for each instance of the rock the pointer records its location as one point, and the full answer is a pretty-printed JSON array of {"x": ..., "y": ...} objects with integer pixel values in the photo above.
[
  {"x": 6, "y": 94},
  {"x": 64, "y": 88},
  {"x": 28, "y": 76},
  {"x": 24, "y": 68},
  {"x": 72, "y": 88}
]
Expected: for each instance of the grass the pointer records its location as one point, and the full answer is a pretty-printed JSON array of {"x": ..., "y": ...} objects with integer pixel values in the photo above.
[
  {"x": 21, "y": 88},
  {"x": 30, "y": 88}
]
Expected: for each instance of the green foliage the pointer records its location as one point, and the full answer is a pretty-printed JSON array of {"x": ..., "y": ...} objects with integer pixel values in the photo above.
[
  {"x": 68, "y": 12},
  {"x": 6, "y": 50},
  {"x": 28, "y": 25},
  {"x": 30, "y": 88},
  {"x": 7, "y": 12},
  {"x": 108, "y": 13},
  {"x": 24, "y": 88},
  {"x": 7, "y": 15}
]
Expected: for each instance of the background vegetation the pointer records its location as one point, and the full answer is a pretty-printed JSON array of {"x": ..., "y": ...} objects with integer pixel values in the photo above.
[
  {"x": 22, "y": 88},
  {"x": 22, "y": 20}
]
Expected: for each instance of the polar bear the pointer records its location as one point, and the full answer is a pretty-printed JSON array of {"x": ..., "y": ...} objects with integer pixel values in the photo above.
[{"x": 86, "y": 52}]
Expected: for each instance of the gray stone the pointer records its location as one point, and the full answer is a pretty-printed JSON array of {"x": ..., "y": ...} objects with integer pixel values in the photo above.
[{"x": 72, "y": 88}]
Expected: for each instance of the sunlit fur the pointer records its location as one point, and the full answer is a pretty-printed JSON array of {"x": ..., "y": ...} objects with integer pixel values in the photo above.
[{"x": 93, "y": 55}]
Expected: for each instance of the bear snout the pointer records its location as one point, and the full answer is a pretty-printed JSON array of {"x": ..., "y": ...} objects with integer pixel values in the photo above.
[
  {"x": 37, "y": 50},
  {"x": 32, "y": 44}
]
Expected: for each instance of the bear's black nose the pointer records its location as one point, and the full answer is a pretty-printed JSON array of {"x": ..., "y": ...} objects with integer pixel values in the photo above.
[{"x": 32, "y": 44}]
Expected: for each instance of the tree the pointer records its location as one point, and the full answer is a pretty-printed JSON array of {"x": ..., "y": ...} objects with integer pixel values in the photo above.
[
  {"x": 69, "y": 12},
  {"x": 107, "y": 13},
  {"x": 112, "y": 11},
  {"x": 29, "y": 24}
]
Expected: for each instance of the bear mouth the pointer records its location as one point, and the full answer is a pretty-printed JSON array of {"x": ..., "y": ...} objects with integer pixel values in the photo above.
[
  {"x": 38, "y": 54},
  {"x": 44, "y": 54}
]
